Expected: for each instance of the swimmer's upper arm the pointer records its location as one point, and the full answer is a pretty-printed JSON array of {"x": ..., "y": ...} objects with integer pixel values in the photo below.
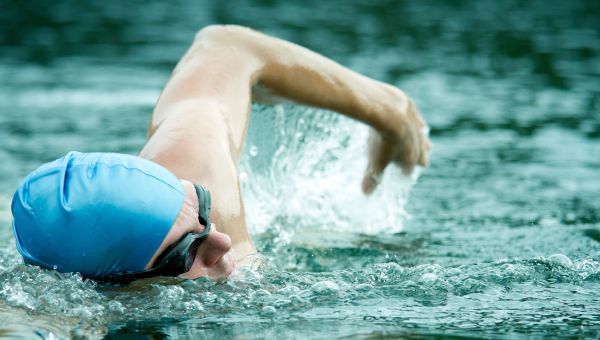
[
  {"x": 297, "y": 73},
  {"x": 224, "y": 62},
  {"x": 215, "y": 68}
]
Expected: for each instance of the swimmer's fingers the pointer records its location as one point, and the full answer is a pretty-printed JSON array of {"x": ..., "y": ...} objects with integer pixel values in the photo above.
[
  {"x": 408, "y": 150},
  {"x": 370, "y": 181},
  {"x": 414, "y": 152},
  {"x": 380, "y": 155}
]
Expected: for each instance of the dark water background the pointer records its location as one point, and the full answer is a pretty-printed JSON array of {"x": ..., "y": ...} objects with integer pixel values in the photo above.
[{"x": 499, "y": 238}]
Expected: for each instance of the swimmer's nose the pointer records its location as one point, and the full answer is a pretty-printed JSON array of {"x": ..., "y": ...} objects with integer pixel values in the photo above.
[{"x": 216, "y": 245}]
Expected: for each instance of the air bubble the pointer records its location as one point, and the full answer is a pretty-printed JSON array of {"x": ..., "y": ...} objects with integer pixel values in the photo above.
[
  {"x": 428, "y": 278},
  {"x": 325, "y": 288},
  {"x": 295, "y": 299},
  {"x": 269, "y": 311},
  {"x": 453, "y": 272},
  {"x": 282, "y": 303},
  {"x": 291, "y": 289},
  {"x": 561, "y": 259},
  {"x": 262, "y": 294}
]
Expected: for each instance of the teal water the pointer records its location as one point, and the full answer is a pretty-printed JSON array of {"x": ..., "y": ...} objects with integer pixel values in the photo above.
[{"x": 499, "y": 238}]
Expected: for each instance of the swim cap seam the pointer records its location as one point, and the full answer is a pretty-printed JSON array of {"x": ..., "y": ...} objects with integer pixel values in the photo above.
[
  {"x": 108, "y": 165},
  {"x": 76, "y": 162},
  {"x": 136, "y": 169}
]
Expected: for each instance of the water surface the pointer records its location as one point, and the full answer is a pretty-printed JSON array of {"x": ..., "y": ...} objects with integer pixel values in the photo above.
[{"x": 499, "y": 238}]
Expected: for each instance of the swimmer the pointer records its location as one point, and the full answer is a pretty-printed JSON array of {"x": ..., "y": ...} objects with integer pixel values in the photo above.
[{"x": 176, "y": 208}]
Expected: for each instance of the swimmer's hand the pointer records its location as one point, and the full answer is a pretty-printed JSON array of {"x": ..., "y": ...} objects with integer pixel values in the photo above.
[{"x": 404, "y": 142}]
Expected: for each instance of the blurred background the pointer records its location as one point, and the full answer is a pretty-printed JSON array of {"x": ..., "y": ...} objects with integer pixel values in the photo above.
[{"x": 499, "y": 237}]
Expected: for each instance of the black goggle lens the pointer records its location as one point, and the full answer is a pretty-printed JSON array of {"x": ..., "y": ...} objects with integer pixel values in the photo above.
[{"x": 179, "y": 257}]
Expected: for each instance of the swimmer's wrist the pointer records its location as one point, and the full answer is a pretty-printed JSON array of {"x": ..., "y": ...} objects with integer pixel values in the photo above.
[{"x": 389, "y": 112}]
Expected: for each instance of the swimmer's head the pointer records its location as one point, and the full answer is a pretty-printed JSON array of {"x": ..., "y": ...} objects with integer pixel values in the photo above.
[{"x": 96, "y": 214}]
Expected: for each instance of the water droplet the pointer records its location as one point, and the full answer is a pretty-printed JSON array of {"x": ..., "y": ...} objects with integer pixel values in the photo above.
[{"x": 253, "y": 151}]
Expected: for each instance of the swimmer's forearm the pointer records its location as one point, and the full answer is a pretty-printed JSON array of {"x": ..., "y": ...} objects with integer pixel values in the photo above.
[
  {"x": 310, "y": 78},
  {"x": 304, "y": 76}
]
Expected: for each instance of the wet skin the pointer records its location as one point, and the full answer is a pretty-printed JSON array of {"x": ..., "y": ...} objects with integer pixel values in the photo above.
[{"x": 199, "y": 124}]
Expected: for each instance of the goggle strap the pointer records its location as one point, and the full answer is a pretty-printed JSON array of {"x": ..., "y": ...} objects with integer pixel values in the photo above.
[{"x": 204, "y": 204}]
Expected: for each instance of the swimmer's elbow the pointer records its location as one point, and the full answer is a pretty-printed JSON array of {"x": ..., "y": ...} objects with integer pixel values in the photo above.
[
  {"x": 223, "y": 33},
  {"x": 247, "y": 43}
]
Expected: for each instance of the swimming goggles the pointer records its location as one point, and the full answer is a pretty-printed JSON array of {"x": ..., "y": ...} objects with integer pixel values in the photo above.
[{"x": 179, "y": 256}]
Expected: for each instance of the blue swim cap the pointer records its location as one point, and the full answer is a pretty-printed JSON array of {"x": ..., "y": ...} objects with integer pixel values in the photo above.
[{"x": 95, "y": 213}]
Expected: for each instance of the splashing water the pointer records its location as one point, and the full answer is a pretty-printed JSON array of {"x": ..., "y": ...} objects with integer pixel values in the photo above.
[
  {"x": 308, "y": 175},
  {"x": 499, "y": 238}
]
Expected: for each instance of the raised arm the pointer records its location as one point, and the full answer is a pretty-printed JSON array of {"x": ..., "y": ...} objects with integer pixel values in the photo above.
[{"x": 225, "y": 61}]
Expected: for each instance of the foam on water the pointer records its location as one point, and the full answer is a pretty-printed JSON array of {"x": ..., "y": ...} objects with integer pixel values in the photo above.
[
  {"x": 499, "y": 238},
  {"x": 84, "y": 308}
]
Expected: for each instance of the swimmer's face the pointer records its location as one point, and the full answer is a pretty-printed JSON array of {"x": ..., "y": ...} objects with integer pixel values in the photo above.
[{"x": 213, "y": 258}]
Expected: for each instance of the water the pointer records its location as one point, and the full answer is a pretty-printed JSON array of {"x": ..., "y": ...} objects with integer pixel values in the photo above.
[{"x": 499, "y": 238}]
